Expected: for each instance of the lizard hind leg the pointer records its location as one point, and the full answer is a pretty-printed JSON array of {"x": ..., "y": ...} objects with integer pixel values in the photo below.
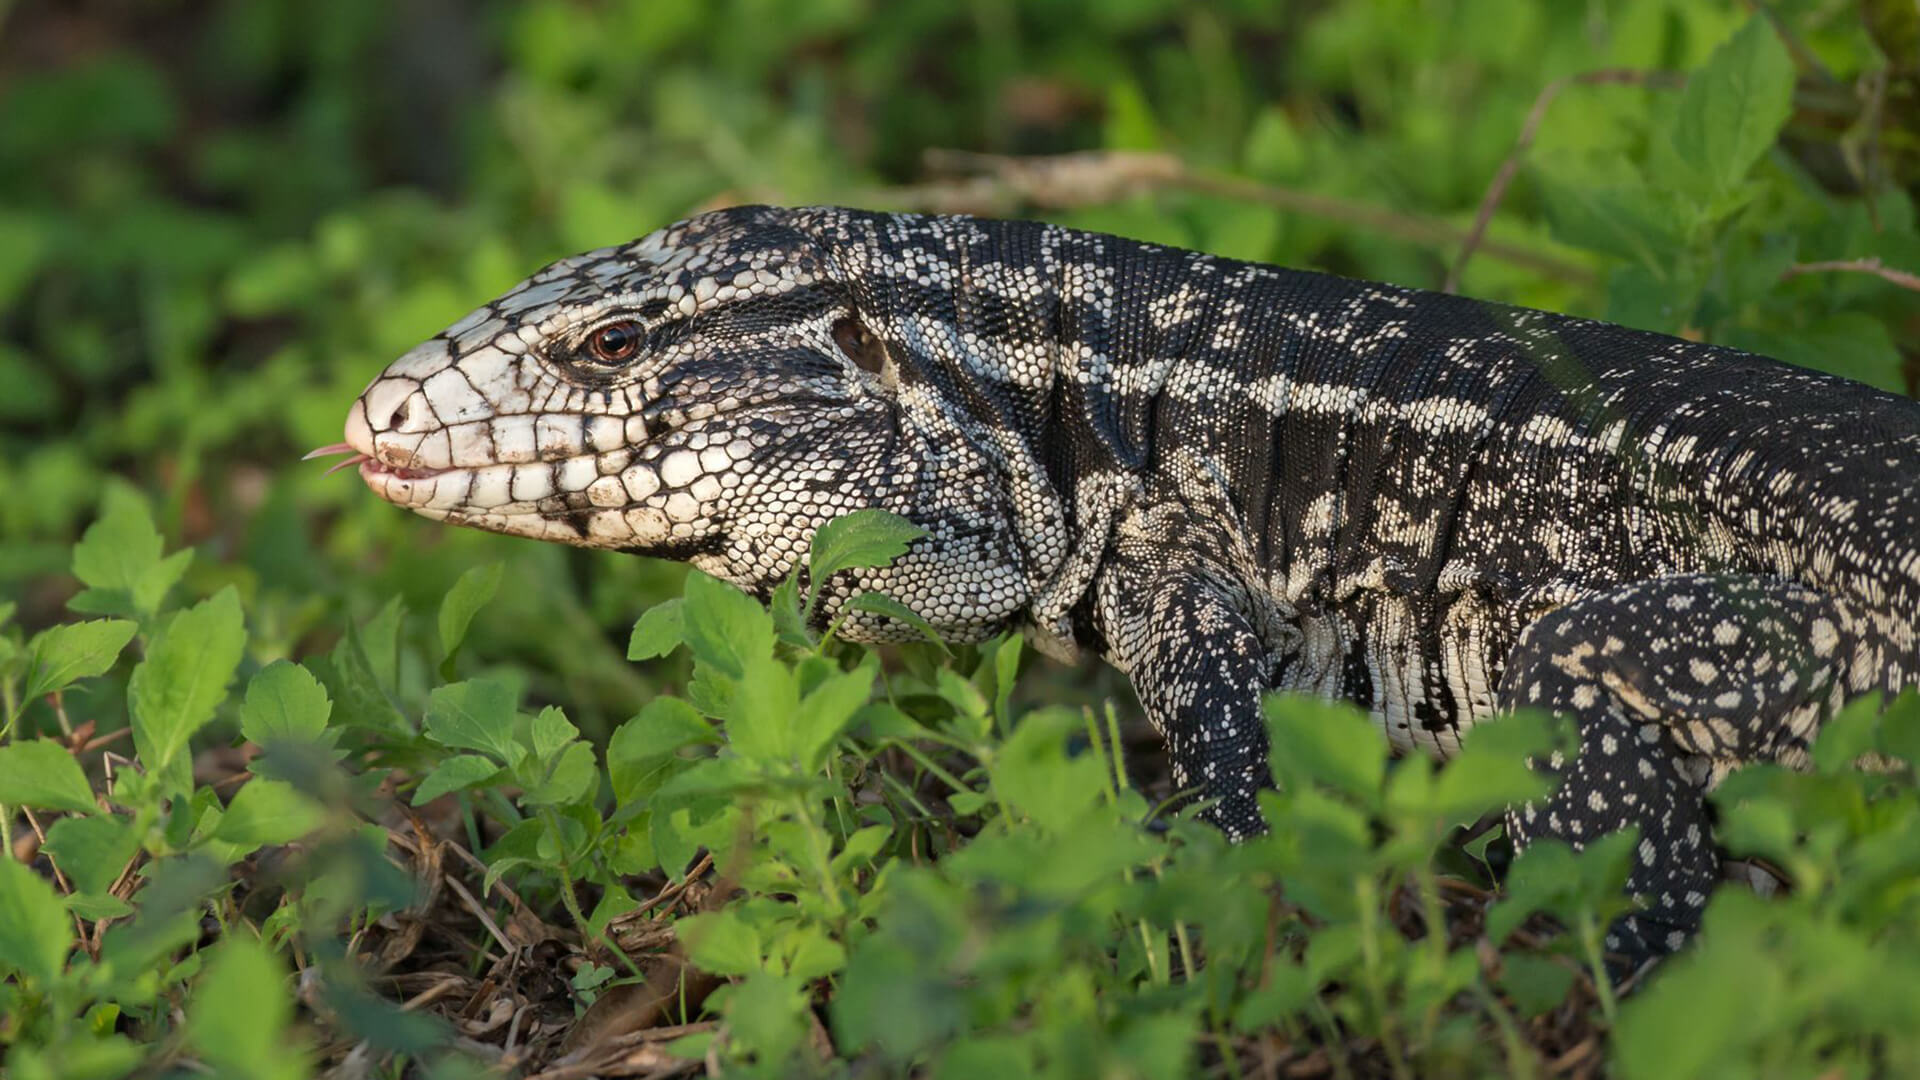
[{"x": 1671, "y": 683}]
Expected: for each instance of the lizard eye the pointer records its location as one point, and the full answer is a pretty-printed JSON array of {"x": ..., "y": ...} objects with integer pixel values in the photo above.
[
  {"x": 615, "y": 343},
  {"x": 861, "y": 347}
]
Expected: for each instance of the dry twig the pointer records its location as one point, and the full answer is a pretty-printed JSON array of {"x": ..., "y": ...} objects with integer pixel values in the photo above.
[{"x": 1497, "y": 190}]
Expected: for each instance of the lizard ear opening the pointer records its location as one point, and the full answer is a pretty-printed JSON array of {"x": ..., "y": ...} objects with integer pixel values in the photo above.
[{"x": 860, "y": 344}]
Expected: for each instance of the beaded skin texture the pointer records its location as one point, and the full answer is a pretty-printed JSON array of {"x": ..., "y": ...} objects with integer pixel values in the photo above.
[{"x": 1226, "y": 478}]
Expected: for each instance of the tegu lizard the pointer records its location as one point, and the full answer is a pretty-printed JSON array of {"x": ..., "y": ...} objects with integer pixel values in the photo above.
[{"x": 1225, "y": 478}]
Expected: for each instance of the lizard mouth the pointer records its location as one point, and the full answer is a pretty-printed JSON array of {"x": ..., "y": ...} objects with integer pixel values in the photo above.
[{"x": 367, "y": 464}]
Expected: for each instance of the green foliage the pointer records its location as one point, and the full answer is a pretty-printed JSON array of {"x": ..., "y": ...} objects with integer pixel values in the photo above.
[{"x": 258, "y": 763}]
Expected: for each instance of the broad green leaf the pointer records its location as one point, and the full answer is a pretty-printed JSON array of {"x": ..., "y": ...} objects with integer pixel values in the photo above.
[
  {"x": 175, "y": 690},
  {"x": 1490, "y": 771},
  {"x": 1846, "y": 735},
  {"x": 725, "y": 627},
  {"x": 1613, "y": 218},
  {"x": 468, "y": 595},
  {"x": 284, "y": 701},
  {"x": 882, "y": 604},
  {"x": 1034, "y": 775},
  {"x": 92, "y": 851},
  {"x": 454, "y": 774},
  {"x": 571, "y": 777},
  {"x": 268, "y": 812},
  {"x": 722, "y": 942},
  {"x": 1333, "y": 745},
  {"x": 237, "y": 1018},
  {"x": 760, "y": 722},
  {"x": 120, "y": 554},
  {"x": 658, "y": 631},
  {"x": 862, "y": 538},
  {"x": 664, "y": 726},
  {"x": 552, "y": 731},
  {"x": 1734, "y": 107},
  {"x": 64, "y": 654},
  {"x": 40, "y": 772},
  {"x": 825, "y": 712},
  {"x": 475, "y": 715},
  {"x": 35, "y": 932}
]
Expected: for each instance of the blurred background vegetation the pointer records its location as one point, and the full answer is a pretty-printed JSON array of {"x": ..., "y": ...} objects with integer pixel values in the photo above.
[{"x": 220, "y": 218}]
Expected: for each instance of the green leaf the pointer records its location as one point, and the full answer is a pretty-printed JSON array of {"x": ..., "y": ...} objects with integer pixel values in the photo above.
[
  {"x": 571, "y": 777},
  {"x": 119, "y": 554},
  {"x": 40, "y": 772},
  {"x": 552, "y": 731},
  {"x": 1034, "y": 775},
  {"x": 268, "y": 812},
  {"x": 862, "y": 538},
  {"x": 175, "y": 690},
  {"x": 475, "y": 715},
  {"x": 92, "y": 851},
  {"x": 1733, "y": 108},
  {"x": 1490, "y": 771},
  {"x": 1332, "y": 745},
  {"x": 238, "y": 1016},
  {"x": 724, "y": 626},
  {"x": 722, "y": 942},
  {"x": 454, "y": 774},
  {"x": 825, "y": 712},
  {"x": 1619, "y": 219},
  {"x": 658, "y": 631},
  {"x": 760, "y": 722},
  {"x": 882, "y": 604},
  {"x": 468, "y": 595},
  {"x": 35, "y": 932},
  {"x": 64, "y": 654},
  {"x": 284, "y": 701},
  {"x": 663, "y": 727}
]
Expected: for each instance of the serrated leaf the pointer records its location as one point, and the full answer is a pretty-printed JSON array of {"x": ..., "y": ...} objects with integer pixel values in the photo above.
[
  {"x": 1313, "y": 742},
  {"x": 35, "y": 932},
  {"x": 475, "y": 715},
  {"x": 721, "y": 942},
  {"x": 826, "y": 711},
  {"x": 552, "y": 731},
  {"x": 92, "y": 851},
  {"x": 658, "y": 631},
  {"x": 455, "y": 773},
  {"x": 760, "y": 721},
  {"x": 571, "y": 777},
  {"x": 1733, "y": 108},
  {"x": 469, "y": 594},
  {"x": 882, "y": 604},
  {"x": 120, "y": 553},
  {"x": 861, "y": 539},
  {"x": 65, "y": 654},
  {"x": 268, "y": 812},
  {"x": 40, "y": 772},
  {"x": 240, "y": 1009},
  {"x": 725, "y": 627},
  {"x": 284, "y": 701},
  {"x": 175, "y": 690},
  {"x": 663, "y": 727}
]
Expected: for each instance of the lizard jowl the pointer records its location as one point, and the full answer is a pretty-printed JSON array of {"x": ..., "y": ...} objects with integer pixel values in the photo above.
[{"x": 1226, "y": 479}]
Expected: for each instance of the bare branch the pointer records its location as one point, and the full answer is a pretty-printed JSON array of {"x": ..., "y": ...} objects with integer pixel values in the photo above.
[
  {"x": 996, "y": 185},
  {"x": 1872, "y": 266},
  {"x": 1496, "y": 191}
]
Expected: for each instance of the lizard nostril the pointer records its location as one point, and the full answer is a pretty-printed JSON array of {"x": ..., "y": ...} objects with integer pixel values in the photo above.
[{"x": 388, "y": 402}]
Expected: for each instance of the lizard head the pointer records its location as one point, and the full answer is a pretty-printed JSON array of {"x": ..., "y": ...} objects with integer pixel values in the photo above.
[{"x": 711, "y": 392}]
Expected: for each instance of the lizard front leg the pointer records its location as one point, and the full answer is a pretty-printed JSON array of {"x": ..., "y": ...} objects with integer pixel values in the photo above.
[
  {"x": 1194, "y": 658},
  {"x": 1672, "y": 683}
]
